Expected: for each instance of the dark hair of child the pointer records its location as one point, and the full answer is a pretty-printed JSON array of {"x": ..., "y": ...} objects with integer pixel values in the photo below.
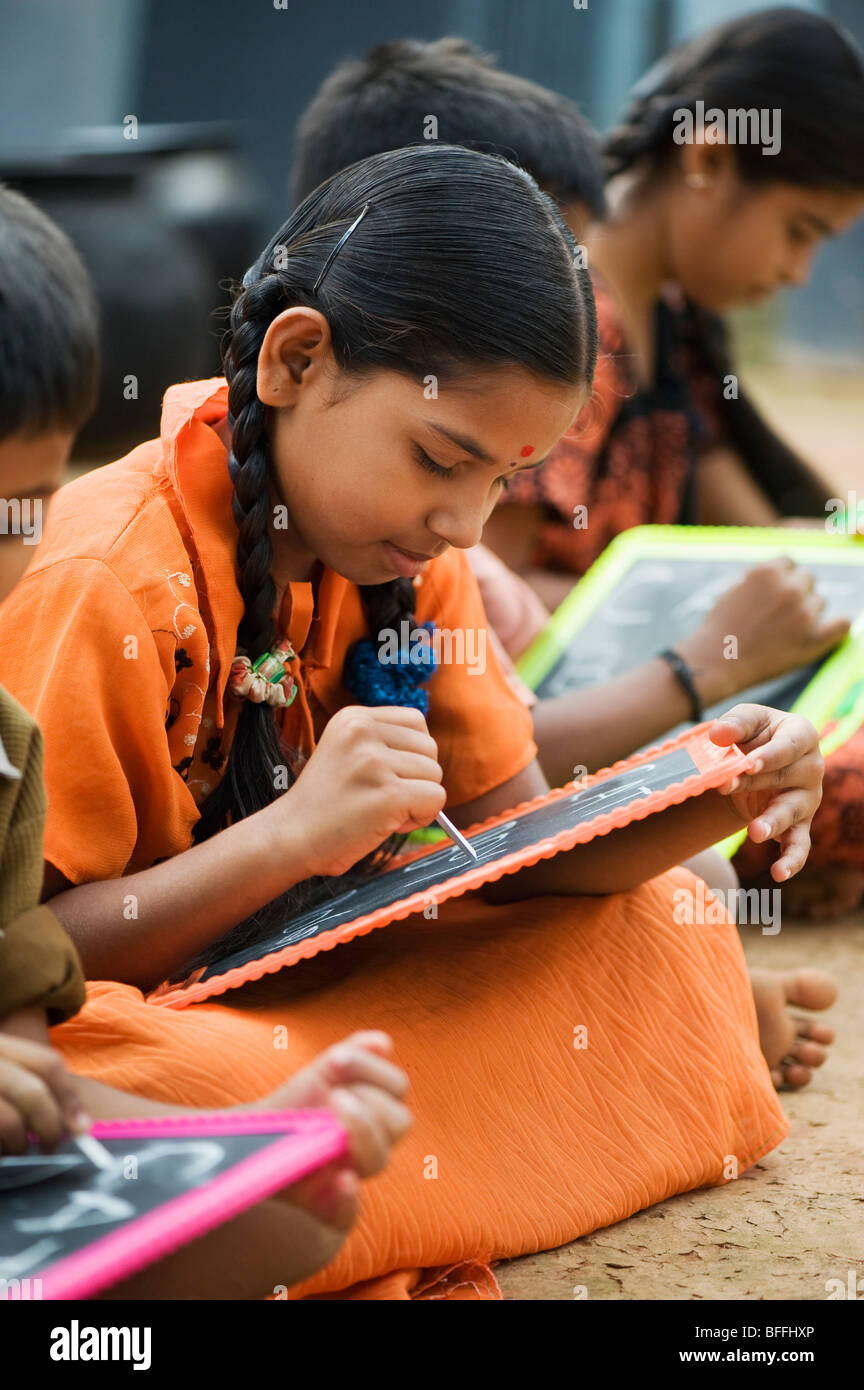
[
  {"x": 383, "y": 101},
  {"x": 49, "y": 325}
]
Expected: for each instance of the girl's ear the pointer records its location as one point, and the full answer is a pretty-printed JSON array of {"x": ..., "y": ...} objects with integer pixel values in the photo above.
[
  {"x": 295, "y": 350},
  {"x": 706, "y": 164}
]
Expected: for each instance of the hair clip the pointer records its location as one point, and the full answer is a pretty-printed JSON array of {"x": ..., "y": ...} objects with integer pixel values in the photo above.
[{"x": 338, "y": 247}]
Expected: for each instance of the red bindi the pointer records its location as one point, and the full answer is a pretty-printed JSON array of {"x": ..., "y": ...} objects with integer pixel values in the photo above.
[{"x": 527, "y": 451}]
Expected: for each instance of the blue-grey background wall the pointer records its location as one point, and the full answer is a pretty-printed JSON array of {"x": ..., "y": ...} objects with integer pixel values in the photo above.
[{"x": 66, "y": 64}]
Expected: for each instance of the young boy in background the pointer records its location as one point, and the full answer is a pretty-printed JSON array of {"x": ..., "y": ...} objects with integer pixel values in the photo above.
[
  {"x": 390, "y": 97},
  {"x": 48, "y": 384}
]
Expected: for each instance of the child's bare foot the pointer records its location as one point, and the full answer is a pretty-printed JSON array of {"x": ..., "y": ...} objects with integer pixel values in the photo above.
[
  {"x": 822, "y": 894},
  {"x": 792, "y": 1045}
]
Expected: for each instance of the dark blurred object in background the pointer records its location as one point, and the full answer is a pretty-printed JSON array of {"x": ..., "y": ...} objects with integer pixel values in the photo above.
[{"x": 161, "y": 220}]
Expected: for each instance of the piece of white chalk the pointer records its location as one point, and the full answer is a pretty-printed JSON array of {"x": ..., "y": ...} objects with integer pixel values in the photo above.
[
  {"x": 454, "y": 834},
  {"x": 96, "y": 1152}
]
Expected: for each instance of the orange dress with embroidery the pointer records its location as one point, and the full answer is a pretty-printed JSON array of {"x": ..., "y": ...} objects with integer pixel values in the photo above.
[{"x": 119, "y": 640}]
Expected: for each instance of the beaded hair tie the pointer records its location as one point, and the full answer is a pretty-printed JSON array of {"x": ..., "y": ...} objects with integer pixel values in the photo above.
[{"x": 265, "y": 681}]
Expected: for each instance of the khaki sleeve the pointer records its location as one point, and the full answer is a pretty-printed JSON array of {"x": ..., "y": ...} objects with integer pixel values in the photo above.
[{"x": 39, "y": 967}]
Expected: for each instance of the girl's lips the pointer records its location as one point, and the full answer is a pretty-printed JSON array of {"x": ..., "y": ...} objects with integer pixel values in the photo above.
[{"x": 406, "y": 565}]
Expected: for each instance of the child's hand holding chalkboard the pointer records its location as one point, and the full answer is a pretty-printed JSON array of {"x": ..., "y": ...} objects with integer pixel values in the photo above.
[
  {"x": 781, "y": 795},
  {"x": 37, "y": 1096},
  {"x": 358, "y": 1082},
  {"x": 374, "y": 773},
  {"x": 773, "y": 615}
]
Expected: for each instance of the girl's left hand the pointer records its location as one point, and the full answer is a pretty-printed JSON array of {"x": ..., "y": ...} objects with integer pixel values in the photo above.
[{"x": 781, "y": 790}]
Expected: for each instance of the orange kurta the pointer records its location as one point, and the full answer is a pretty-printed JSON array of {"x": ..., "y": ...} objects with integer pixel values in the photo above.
[{"x": 119, "y": 640}]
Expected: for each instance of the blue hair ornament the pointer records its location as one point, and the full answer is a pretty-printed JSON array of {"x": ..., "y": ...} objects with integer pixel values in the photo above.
[{"x": 396, "y": 680}]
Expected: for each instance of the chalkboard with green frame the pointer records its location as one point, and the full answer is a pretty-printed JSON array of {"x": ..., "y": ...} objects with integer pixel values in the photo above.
[{"x": 654, "y": 584}]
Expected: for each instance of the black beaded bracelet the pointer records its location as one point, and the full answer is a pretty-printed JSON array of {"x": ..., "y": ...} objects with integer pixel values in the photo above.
[{"x": 684, "y": 676}]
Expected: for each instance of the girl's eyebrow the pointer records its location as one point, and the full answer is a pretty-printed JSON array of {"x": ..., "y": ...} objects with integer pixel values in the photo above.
[
  {"x": 819, "y": 225},
  {"x": 470, "y": 446},
  {"x": 462, "y": 441}
]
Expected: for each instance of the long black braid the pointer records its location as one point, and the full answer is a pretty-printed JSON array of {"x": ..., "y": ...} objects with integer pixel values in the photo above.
[{"x": 257, "y": 753}]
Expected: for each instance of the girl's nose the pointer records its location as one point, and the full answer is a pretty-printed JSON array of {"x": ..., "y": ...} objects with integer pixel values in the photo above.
[
  {"x": 460, "y": 529},
  {"x": 798, "y": 271}
]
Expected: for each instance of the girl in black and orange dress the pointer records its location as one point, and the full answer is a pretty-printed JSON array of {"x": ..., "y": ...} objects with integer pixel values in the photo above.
[{"x": 691, "y": 230}]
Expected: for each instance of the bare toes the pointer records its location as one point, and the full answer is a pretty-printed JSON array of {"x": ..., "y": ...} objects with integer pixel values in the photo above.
[
  {"x": 809, "y": 1053},
  {"x": 810, "y": 989},
  {"x": 816, "y": 1032},
  {"x": 795, "y": 1075}
]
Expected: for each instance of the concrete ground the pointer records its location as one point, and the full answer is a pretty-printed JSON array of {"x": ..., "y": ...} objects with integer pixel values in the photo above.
[{"x": 788, "y": 1225}]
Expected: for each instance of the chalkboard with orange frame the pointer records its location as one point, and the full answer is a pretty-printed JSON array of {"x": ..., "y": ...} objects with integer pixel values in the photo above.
[{"x": 640, "y": 786}]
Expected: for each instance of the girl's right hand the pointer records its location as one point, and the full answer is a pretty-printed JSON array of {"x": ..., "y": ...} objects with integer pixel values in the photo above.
[
  {"x": 374, "y": 773},
  {"x": 774, "y": 615},
  {"x": 37, "y": 1096}
]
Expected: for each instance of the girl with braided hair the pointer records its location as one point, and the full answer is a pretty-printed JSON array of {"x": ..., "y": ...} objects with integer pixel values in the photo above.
[
  {"x": 695, "y": 226},
  {"x": 199, "y": 639},
  {"x": 702, "y": 215}
]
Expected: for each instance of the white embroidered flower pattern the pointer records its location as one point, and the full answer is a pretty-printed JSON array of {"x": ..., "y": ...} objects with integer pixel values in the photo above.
[{"x": 191, "y": 706}]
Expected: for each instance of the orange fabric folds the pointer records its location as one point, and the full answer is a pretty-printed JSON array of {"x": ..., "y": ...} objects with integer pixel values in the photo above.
[{"x": 571, "y": 1062}]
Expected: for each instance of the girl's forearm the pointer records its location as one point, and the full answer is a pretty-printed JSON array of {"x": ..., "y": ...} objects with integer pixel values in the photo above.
[
  {"x": 261, "y": 1252},
  {"x": 549, "y": 586},
  {"x": 593, "y": 728},
  {"x": 727, "y": 494},
  {"x": 140, "y": 928},
  {"x": 620, "y": 861},
  {"x": 103, "y": 1102}
]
